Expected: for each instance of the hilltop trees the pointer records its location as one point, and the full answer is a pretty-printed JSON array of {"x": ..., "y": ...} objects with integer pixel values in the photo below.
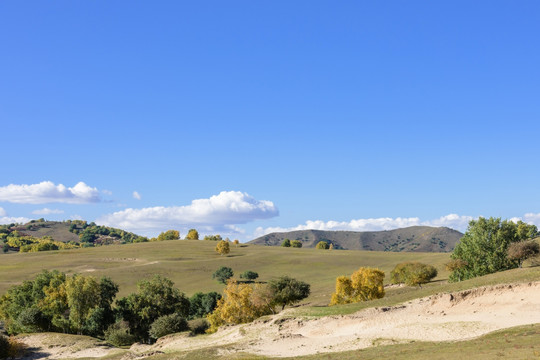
[
  {"x": 192, "y": 235},
  {"x": 484, "y": 247},
  {"x": 364, "y": 284},
  {"x": 412, "y": 273},
  {"x": 169, "y": 235}
]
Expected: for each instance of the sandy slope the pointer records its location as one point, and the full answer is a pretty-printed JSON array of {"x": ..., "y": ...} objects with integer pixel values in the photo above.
[
  {"x": 443, "y": 317},
  {"x": 458, "y": 316}
]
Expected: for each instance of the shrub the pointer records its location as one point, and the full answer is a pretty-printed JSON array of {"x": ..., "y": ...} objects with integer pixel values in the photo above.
[
  {"x": 4, "y": 347},
  {"x": 249, "y": 275},
  {"x": 412, "y": 273},
  {"x": 322, "y": 245},
  {"x": 286, "y": 243},
  {"x": 198, "y": 326},
  {"x": 119, "y": 335},
  {"x": 296, "y": 244},
  {"x": 523, "y": 250},
  {"x": 202, "y": 304},
  {"x": 168, "y": 324},
  {"x": 287, "y": 291},
  {"x": 223, "y": 274},
  {"x": 364, "y": 284}
]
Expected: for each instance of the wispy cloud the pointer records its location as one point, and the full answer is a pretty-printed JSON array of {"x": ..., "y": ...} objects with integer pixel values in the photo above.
[
  {"x": 136, "y": 195},
  {"x": 11, "y": 220},
  {"x": 2, "y": 212},
  {"x": 219, "y": 212},
  {"x": 48, "y": 192},
  {"x": 47, "y": 211}
]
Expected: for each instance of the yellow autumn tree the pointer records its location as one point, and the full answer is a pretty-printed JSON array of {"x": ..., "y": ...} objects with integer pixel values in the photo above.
[
  {"x": 223, "y": 247},
  {"x": 239, "y": 304},
  {"x": 364, "y": 284}
]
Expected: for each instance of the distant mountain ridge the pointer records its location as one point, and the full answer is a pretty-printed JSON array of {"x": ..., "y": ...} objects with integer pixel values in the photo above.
[{"x": 410, "y": 239}]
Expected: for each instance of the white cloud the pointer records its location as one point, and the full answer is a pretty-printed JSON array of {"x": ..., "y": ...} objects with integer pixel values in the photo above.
[
  {"x": 47, "y": 211},
  {"x": 2, "y": 212},
  {"x": 136, "y": 195},
  {"x": 531, "y": 218},
  {"x": 454, "y": 221},
  {"x": 48, "y": 192},
  {"x": 11, "y": 220},
  {"x": 219, "y": 212},
  {"x": 106, "y": 192}
]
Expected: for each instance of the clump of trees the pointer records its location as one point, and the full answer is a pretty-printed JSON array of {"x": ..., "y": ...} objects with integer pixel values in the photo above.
[
  {"x": 291, "y": 243},
  {"x": 412, "y": 273},
  {"x": 322, "y": 245},
  {"x": 242, "y": 303},
  {"x": 168, "y": 235},
  {"x": 202, "y": 304},
  {"x": 286, "y": 243},
  {"x": 91, "y": 233},
  {"x": 364, "y": 284},
  {"x": 213, "y": 237},
  {"x": 484, "y": 247}
]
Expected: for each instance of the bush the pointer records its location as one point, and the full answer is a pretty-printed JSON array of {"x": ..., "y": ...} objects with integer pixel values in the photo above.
[
  {"x": 249, "y": 275},
  {"x": 4, "y": 347},
  {"x": 11, "y": 348},
  {"x": 287, "y": 291},
  {"x": 223, "y": 274},
  {"x": 412, "y": 273},
  {"x": 364, "y": 284},
  {"x": 296, "y": 244},
  {"x": 198, "y": 326},
  {"x": 119, "y": 335},
  {"x": 286, "y": 243},
  {"x": 202, "y": 304},
  {"x": 322, "y": 245},
  {"x": 168, "y": 324}
]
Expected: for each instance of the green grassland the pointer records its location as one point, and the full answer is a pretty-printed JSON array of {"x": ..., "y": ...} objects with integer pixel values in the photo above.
[{"x": 190, "y": 264}]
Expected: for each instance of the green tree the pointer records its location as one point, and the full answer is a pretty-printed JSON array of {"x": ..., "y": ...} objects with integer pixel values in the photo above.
[
  {"x": 484, "y": 246},
  {"x": 523, "y": 250},
  {"x": 223, "y": 247},
  {"x": 154, "y": 298},
  {"x": 286, "y": 243},
  {"x": 82, "y": 295},
  {"x": 192, "y": 235},
  {"x": 249, "y": 275},
  {"x": 202, "y": 304},
  {"x": 288, "y": 291},
  {"x": 168, "y": 324},
  {"x": 296, "y": 244},
  {"x": 455, "y": 265},
  {"x": 322, "y": 245},
  {"x": 223, "y": 274}
]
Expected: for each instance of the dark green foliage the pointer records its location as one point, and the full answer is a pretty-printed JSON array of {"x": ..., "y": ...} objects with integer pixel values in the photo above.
[
  {"x": 249, "y": 275},
  {"x": 412, "y": 273},
  {"x": 287, "y": 291},
  {"x": 154, "y": 298},
  {"x": 484, "y": 247},
  {"x": 4, "y": 347},
  {"x": 87, "y": 237},
  {"x": 32, "y": 320},
  {"x": 296, "y": 244},
  {"x": 168, "y": 324},
  {"x": 223, "y": 274},
  {"x": 119, "y": 335},
  {"x": 202, "y": 304},
  {"x": 286, "y": 243},
  {"x": 198, "y": 326}
]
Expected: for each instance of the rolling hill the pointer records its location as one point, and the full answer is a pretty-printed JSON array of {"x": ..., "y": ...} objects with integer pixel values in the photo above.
[{"x": 414, "y": 238}]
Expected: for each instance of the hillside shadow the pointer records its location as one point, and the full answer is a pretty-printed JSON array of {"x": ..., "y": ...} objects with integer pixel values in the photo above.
[{"x": 33, "y": 353}]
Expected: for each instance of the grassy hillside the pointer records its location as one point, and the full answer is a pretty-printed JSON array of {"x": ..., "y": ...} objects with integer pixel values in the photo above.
[
  {"x": 190, "y": 264},
  {"x": 414, "y": 238}
]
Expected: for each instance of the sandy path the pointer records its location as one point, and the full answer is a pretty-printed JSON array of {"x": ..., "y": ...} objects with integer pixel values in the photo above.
[{"x": 444, "y": 317}]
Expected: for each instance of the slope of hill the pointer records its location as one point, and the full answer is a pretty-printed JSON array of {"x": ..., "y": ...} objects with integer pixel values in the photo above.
[{"x": 414, "y": 238}]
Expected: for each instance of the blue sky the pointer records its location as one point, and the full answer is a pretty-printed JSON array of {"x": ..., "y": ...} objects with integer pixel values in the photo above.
[{"x": 352, "y": 115}]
